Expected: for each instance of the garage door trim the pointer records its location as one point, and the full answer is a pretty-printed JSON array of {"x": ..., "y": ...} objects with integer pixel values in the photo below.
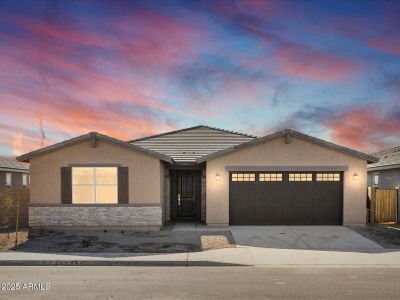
[
  {"x": 286, "y": 168},
  {"x": 334, "y": 210}
]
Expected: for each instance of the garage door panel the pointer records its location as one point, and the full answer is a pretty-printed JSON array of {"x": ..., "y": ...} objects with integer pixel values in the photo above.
[
  {"x": 269, "y": 203},
  {"x": 327, "y": 207},
  {"x": 286, "y": 198},
  {"x": 242, "y": 203},
  {"x": 299, "y": 202}
]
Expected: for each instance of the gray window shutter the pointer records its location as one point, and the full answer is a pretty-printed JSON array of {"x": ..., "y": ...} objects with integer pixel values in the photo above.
[
  {"x": 66, "y": 185},
  {"x": 123, "y": 185}
]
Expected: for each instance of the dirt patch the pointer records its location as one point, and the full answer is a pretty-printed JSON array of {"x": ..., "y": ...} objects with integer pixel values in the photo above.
[
  {"x": 7, "y": 241},
  {"x": 388, "y": 236},
  {"x": 165, "y": 241}
]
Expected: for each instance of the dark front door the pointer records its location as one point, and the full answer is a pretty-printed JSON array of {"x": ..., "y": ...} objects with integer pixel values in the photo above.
[{"x": 186, "y": 194}]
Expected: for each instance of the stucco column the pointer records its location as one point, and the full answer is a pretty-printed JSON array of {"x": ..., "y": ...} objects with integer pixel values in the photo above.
[
  {"x": 167, "y": 198},
  {"x": 203, "y": 197}
]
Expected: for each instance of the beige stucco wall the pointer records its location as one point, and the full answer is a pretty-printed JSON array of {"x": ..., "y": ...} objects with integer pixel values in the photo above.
[
  {"x": 278, "y": 153},
  {"x": 145, "y": 171}
]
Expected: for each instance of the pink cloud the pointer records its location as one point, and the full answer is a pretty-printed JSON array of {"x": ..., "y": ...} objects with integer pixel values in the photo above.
[
  {"x": 364, "y": 128},
  {"x": 311, "y": 64},
  {"x": 386, "y": 44}
]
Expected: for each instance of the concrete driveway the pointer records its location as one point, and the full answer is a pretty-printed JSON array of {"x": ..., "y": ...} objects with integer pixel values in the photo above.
[{"x": 302, "y": 237}]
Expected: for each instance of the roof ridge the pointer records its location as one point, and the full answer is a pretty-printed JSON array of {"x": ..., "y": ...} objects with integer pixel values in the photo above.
[
  {"x": 387, "y": 150},
  {"x": 230, "y": 131},
  {"x": 186, "y": 129},
  {"x": 163, "y": 133}
]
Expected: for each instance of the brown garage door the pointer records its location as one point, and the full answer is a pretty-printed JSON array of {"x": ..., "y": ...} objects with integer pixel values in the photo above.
[{"x": 285, "y": 198}]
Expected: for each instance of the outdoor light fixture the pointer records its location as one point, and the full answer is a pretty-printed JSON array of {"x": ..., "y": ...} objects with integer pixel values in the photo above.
[
  {"x": 355, "y": 176},
  {"x": 217, "y": 176}
]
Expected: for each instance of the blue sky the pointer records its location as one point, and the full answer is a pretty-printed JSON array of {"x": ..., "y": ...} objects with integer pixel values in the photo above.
[{"x": 130, "y": 69}]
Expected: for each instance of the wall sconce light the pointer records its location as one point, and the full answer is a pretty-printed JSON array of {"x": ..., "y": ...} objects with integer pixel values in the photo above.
[
  {"x": 355, "y": 176},
  {"x": 217, "y": 176}
]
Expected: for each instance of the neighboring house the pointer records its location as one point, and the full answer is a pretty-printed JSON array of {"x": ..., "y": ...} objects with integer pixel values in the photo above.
[
  {"x": 199, "y": 173},
  {"x": 13, "y": 174},
  {"x": 385, "y": 173}
]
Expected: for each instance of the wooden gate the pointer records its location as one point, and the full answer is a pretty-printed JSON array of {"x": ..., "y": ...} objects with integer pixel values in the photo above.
[{"x": 385, "y": 206}]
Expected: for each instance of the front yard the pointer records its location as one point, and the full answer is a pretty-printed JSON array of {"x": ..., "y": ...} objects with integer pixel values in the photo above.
[
  {"x": 165, "y": 241},
  {"x": 386, "y": 235}
]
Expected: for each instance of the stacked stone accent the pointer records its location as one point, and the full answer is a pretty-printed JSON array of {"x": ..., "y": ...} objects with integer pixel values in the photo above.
[{"x": 47, "y": 216}]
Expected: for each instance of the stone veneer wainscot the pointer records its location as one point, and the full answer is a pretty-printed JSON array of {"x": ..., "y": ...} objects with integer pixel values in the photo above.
[{"x": 94, "y": 215}]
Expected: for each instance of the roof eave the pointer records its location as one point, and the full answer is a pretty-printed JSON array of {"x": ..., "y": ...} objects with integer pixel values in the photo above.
[
  {"x": 5, "y": 169},
  {"x": 385, "y": 167},
  {"x": 367, "y": 157},
  {"x": 86, "y": 137}
]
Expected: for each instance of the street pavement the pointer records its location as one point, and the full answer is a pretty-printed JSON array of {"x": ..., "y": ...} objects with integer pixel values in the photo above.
[{"x": 69, "y": 282}]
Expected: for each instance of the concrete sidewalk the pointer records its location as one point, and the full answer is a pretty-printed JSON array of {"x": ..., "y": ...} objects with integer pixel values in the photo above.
[{"x": 239, "y": 256}]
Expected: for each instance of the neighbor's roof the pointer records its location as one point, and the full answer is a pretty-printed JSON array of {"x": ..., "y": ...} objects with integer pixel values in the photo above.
[
  {"x": 90, "y": 136},
  {"x": 189, "y": 144},
  {"x": 388, "y": 159},
  {"x": 12, "y": 165},
  {"x": 285, "y": 132}
]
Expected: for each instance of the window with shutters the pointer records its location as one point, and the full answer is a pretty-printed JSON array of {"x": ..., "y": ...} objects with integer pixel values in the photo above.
[{"x": 94, "y": 185}]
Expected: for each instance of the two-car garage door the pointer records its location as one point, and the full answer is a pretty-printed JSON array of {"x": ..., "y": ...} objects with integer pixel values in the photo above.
[{"x": 285, "y": 198}]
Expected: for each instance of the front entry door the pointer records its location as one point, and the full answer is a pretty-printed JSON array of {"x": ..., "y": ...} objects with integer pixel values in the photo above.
[{"x": 186, "y": 194}]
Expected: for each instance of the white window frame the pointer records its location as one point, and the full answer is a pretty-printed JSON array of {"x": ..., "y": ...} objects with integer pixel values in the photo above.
[
  {"x": 26, "y": 183},
  {"x": 8, "y": 179},
  {"x": 94, "y": 185},
  {"x": 375, "y": 179}
]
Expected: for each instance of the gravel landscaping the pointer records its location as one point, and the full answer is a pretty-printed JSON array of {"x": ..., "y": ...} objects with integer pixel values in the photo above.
[
  {"x": 386, "y": 235},
  {"x": 165, "y": 241},
  {"x": 7, "y": 241}
]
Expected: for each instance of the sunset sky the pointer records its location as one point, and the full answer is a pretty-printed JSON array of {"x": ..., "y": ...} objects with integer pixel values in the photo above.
[{"x": 129, "y": 69}]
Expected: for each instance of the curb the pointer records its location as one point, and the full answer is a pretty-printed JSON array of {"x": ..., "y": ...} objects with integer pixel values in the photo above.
[{"x": 17, "y": 263}]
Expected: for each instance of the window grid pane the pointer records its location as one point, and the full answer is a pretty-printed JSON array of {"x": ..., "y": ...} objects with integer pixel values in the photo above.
[
  {"x": 300, "y": 176},
  {"x": 328, "y": 176},
  {"x": 8, "y": 179},
  {"x": 243, "y": 176},
  {"x": 270, "y": 177},
  {"x": 94, "y": 185}
]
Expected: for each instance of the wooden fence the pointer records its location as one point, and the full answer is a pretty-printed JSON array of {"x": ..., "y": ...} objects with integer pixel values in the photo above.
[
  {"x": 21, "y": 194},
  {"x": 385, "y": 205}
]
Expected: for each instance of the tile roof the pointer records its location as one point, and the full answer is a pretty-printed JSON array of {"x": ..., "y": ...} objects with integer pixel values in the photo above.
[
  {"x": 387, "y": 158},
  {"x": 189, "y": 144},
  {"x": 9, "y": 164}
]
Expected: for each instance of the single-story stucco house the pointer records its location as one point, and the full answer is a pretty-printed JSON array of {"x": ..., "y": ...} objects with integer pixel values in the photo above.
[{"x": 200, "y": 173}]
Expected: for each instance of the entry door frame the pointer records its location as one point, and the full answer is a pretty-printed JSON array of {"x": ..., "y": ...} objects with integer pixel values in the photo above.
[{"x": 174, "y": 191}]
